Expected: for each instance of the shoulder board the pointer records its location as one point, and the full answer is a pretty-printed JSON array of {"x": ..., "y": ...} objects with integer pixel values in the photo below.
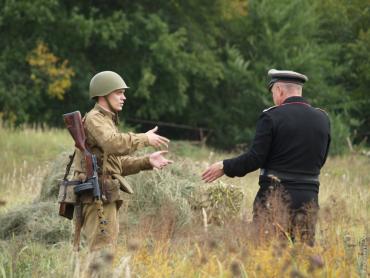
[
  {"x": 322, "y": 110},
  {"x": 91, "y": 114},
  {"x": 270, "y": 108}
]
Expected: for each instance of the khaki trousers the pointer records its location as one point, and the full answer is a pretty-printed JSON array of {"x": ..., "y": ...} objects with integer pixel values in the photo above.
[{"x": 90, "y": 229}]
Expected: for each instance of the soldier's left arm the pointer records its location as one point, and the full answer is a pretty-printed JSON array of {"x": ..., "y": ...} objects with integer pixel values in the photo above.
[{"x": 133, "y": 165}]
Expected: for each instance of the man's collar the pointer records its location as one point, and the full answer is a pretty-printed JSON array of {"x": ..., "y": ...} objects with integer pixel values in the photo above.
[
  {"x": 104, "y": 111},
  {"x": 295, "y": 99}
]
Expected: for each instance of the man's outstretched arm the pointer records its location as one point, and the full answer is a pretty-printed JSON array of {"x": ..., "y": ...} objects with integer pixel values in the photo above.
[{"x": 249, "y": 161}]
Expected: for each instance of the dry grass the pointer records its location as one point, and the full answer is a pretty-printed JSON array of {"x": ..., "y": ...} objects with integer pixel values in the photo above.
[
  {"x": 161, "y": 236},
  {"x": 25, "y": 159},
  {"x": 233, "y": 251}
]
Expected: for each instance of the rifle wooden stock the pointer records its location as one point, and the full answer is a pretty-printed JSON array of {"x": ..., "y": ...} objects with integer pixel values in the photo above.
[
  {"x": 89, "y": 164},
  {"x": 74, "y": 125}
]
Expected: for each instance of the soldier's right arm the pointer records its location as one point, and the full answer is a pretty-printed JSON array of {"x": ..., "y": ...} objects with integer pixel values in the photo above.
[{"x": 110, "y": 140}]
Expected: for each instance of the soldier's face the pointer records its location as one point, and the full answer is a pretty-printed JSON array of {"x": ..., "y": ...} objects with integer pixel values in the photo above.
[{"x": 117, "y": 99}]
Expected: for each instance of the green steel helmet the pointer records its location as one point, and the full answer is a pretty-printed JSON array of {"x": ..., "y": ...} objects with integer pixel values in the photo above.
[{"x": 105, "y": 82}]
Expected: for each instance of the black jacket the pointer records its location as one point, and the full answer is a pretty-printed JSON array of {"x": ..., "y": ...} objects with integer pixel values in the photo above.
[{"x": 293, "y": 138}]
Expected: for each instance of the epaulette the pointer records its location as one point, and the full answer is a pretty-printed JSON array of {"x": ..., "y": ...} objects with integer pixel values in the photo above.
[
  {"x": 322, "y": 110},
  {"x": 94, "y": 112},
  {"x": 91, "y": 114},
  {"x": 270, "y": 108}
]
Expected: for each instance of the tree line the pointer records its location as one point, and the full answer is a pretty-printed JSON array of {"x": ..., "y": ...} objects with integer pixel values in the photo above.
[{"x": 195, "y": 63}]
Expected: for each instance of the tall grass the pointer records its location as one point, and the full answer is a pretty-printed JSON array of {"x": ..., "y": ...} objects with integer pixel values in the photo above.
[
  {"x": 162, "y": 236},
  {"x": 231, "y": 250},
  {"x": 25, "y": 157}
]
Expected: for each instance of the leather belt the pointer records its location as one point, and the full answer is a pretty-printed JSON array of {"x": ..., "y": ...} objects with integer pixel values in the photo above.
[{"x": 289, "y": 176}]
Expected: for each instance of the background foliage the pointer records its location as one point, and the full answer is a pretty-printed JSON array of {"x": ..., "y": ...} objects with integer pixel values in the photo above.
[{"x": 199, "y": 63}]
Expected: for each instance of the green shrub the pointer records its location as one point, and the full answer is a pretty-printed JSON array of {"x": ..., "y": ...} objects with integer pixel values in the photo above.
[{"x": 340, "y": 133}]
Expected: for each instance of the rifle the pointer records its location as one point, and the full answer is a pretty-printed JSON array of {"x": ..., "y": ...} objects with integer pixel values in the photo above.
[{"x": 91, "y": 184}]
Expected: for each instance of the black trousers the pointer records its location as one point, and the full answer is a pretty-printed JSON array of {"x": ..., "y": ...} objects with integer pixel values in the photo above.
[{"x": 286, "y": 211}]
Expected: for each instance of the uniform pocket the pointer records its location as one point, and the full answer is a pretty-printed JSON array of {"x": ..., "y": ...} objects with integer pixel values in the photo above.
[
  {"x": 123, "y": 184},
  {"x": 111, "y": 190}
]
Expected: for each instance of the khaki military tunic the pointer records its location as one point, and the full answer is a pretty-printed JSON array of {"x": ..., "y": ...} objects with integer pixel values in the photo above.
[{"x": 111, "y": 148}]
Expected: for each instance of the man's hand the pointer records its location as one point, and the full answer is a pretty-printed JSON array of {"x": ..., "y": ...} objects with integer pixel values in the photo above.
[
  {"x": 158, "y": 161},
  {"x": 156, "y": 140},
  {"x": 213, "y": 172}
]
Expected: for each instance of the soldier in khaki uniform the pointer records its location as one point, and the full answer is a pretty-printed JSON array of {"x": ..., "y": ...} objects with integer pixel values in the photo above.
[{"x": 111, "y": 148}]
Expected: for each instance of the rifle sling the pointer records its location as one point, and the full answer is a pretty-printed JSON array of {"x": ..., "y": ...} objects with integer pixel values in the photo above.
[{"x": 69, "y": 165}]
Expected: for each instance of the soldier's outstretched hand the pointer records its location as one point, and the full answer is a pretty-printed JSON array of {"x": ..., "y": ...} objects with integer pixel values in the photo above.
[
  {"x": 156, "y": 140},
  {"x": 213, "y": 172},
  {"x": 158, "y": 161}
]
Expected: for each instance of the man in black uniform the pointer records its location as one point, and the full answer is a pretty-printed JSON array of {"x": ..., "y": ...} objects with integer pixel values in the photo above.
[{"x": 290, "y": 147}]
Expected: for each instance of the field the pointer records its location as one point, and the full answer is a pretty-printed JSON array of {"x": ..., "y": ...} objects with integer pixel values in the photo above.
[{"x": 163, "y": 234}]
